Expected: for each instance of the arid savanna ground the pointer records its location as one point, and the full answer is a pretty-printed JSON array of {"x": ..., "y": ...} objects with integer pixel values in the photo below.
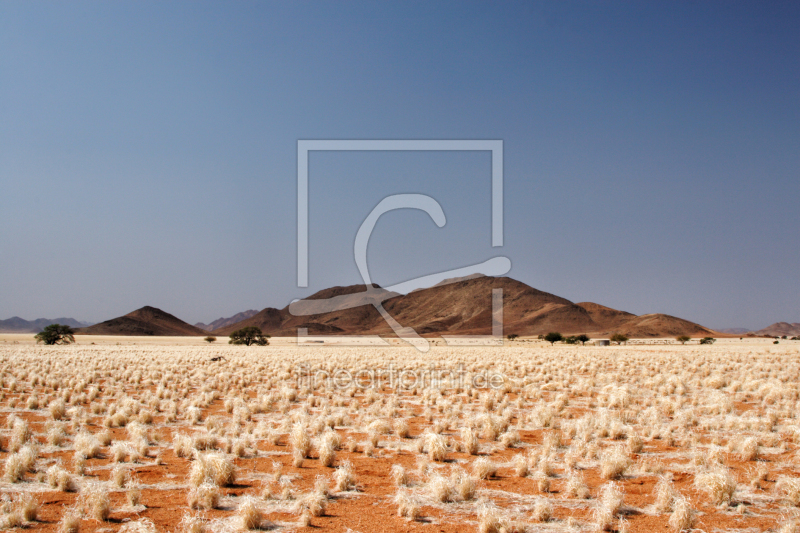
[{"x": 127, "y": 435}]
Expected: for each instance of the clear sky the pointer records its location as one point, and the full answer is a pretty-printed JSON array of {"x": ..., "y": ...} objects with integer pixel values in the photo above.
[{"x": 148, "y": 151}]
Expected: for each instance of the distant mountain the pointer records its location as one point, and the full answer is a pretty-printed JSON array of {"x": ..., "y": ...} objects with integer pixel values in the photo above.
[
  {"x": 222, "y": 322},
  {"x": 779, "y": 329},
  {"x": 462, "y": 307},
  {"x": 734, "y": 331},
  {"x": 145, "y": 321},
  {"x": 658, "y": 325},
  {"x": 20, "y": 325}
]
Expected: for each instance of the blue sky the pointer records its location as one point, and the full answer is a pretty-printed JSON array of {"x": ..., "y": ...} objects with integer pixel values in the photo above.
[{"x": 148, "y": 151}]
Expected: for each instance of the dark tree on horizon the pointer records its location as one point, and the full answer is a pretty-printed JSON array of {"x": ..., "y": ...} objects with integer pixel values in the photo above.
[
  {"x": 248, "y": 336},
  {"x": 56, "y": 334},
  {"x": 553, "y": 337}
]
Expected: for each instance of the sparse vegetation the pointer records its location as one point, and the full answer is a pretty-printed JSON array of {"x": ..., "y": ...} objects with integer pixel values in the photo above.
[
  {"x": 683, "y": 339},
  {"x": 708, "y": 340},
  {"x": 571, "y": 432}
]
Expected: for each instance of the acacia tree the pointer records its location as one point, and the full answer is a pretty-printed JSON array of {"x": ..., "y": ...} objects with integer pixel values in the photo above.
[
  {"x": 553, "y": 337},
  {"x": 683, "y": 339},
  {"x": 583, "y": 338},
  {"x": 619, "y": 338},
  {"x": 513, "y": 336},
  {"x": 56, "y": 334},
  {"x": 249, "y": 335}
]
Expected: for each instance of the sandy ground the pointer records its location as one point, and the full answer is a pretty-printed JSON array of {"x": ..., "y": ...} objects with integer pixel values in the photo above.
[{"x": 558, "y": 391}]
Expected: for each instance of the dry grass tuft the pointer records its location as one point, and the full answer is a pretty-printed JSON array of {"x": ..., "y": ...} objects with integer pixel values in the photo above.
[
  {"x": 213, "y": 467},
  {"x": 683, "y": 516},
  {"x": 789, "y": 488},
  {"x": 344, "y": 477},
  {"x": 96, "y": 501},
  {"x": 484, "y": 468},
  {"x": 249, "y": 515},
  {"x": 407, "y": 506},
  {"x": 70, "y": 521},
  {"x": 204, "y": 496},
  {"x": 718, "y": 484},
  {"x": 608, "y": 505}
]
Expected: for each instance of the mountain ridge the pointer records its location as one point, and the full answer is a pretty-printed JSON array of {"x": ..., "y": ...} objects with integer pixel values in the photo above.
[
  {"x": 463, "y": 307},
  {"x": 16, "y": 324},
  {"x": 222, "y": 322}
]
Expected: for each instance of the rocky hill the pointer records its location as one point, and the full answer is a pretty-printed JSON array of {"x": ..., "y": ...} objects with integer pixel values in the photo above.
[
  {"x": 461, "y": 307},
  {"x": 145, "y": 321}
]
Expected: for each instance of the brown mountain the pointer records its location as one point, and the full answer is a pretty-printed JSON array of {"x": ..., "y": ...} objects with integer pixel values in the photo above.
[
  {"x": 145, "y": 321},
  {"x": 280, "y": 322},
  {"x": 222, "y": 322},
  {"x": 461, "y": 307},
  {"x": 657, "y": 325},
  {"x": 606, "y": 316},
  {"x": 779, "y": 329}
]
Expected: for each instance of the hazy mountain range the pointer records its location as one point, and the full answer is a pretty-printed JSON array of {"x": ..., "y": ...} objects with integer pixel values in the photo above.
[
  {"x": 777, "y": 329},
  {"x": 20, "y": 325},
  {"x": 222, "y": 322}
]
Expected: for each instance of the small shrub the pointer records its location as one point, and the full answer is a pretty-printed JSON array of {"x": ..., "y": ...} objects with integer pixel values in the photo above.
[
  {"x": 436, "y": 445},
  {"x": 542, "y": 510},
  {"x": 719, "y": 484},
  {"x": 484, "y": 468},
  {"x": 250, "y": 516},
  {"x": 96, "y": 502},
  {"x": 399, "y": 475},
  {"x": 407, "y": 507},
  {"x": 683, "y": 516},
  {"x": 789, "y": 487},
  {"x": 205, "y": 496},
  {"x": 576, "y": 486},
  {"x": 70, "y": 521},
  {"x": 608, "y": 505},
  {"x": 665, "y": 495},
  {"x": 469, "y": 441},
  {"x": 619, "y": 338},
  {"x": 614, "y": 463},
  {"x": 344, "y": 477}
]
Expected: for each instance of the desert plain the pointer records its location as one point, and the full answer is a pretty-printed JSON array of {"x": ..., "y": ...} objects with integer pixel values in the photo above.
[{"x": 151, "y": 434}]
